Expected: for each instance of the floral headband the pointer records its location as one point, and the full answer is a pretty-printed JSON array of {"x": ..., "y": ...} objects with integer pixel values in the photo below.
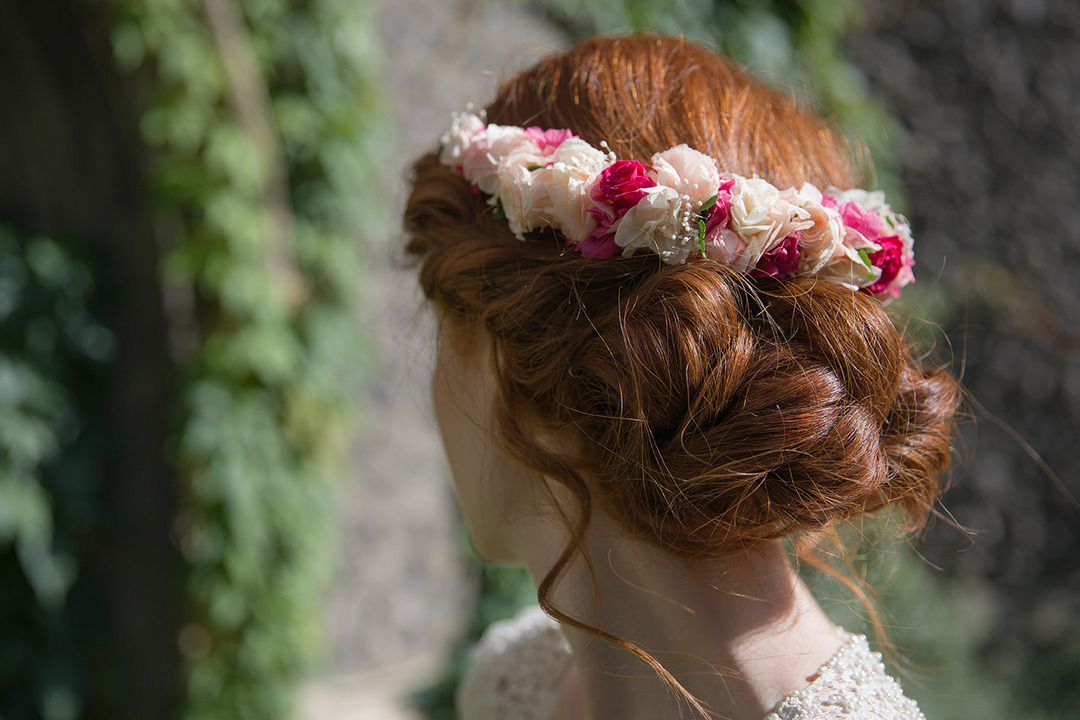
[{"x": 680, "y": 206}]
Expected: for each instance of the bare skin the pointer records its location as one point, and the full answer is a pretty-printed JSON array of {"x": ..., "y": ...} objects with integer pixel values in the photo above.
[{"x": 738, "y": 633}]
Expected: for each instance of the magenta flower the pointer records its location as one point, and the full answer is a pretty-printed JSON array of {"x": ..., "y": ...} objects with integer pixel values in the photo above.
[
  {"x": 781, "y": 261},
  {"x": 895, "y": 268},
  {"x": 599, "y": 244},
  {"x": 622, "y": 185},
  {"x": 548, "y": 140},
  {"x": 865, "y": 222},
  {"x": 719, "y": 215}
]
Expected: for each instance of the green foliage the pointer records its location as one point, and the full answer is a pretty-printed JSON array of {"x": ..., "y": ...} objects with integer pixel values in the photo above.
[
  {"x": 52, "y": 354},
  {"x": 933, "y": 624},
  {"x": 263, "y": 132}
]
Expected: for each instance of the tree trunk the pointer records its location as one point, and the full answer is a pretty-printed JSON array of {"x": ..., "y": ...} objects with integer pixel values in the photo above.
[{"x": 72, "y": 166}]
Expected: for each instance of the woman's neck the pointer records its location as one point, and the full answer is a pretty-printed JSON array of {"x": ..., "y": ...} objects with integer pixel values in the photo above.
[{"x": 738, "y": 633}]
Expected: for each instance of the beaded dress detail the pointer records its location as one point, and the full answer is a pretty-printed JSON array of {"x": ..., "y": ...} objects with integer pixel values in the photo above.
[
  {"x": 851, "y": 685},
  {"x": 519, "y": 664}
]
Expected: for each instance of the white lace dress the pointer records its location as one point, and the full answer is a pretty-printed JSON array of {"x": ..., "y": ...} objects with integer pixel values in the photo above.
[{"x": 518, "y": 667}]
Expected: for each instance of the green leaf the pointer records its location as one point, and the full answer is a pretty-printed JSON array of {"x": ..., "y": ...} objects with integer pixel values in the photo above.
[
  {"x": 865, "y": 257},
  {"x": 708, "y": 204}
]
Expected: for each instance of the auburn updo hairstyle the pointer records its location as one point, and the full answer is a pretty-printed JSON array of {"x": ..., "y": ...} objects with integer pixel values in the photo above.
[{"x": 713, "y": 411}]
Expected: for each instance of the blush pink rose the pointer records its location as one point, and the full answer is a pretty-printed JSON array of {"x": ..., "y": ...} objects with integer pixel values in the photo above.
[
  {"x": 865, "y": 222},
  {"x": 622, "y": 185},
  {"x": 687, "y": 172},
  {"x": 780, "y": 261},
  {"x": 548, "y": 140}
]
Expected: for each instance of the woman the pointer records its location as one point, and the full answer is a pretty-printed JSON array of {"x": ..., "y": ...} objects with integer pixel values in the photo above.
[{"x": 663, "y": 349}]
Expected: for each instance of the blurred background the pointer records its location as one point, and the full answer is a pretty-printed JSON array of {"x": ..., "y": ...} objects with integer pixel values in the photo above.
[{"x": 221, "y": 492}]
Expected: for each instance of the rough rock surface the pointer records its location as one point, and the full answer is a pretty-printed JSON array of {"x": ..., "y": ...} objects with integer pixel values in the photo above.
[
  {"x": 989, "y": 92},
  {"x": 403, "y": 591}
]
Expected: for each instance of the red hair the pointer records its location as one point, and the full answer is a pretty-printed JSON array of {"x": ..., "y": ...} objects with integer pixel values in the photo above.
[{"x": 714, "y": 411}]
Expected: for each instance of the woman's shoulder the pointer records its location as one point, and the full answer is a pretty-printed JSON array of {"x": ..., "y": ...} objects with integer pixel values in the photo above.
[
  {"x": 518, "y": 667},
  {"x": 516, "y": 670},
  {"x": 852, "y": 684}
]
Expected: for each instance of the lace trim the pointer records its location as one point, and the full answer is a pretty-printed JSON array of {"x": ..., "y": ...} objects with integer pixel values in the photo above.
[{"x": 519, "y": 664}]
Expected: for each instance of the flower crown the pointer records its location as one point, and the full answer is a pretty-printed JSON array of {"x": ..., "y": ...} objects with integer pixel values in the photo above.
[{"x": 680, "y": 206}]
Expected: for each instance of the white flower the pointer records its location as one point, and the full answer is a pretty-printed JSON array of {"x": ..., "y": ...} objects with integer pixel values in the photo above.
[
  {"x": 654, "y": 224},
  {"x": 457, "y": 140},
  {"x": 687, "y": 172},
  {"x": 573, "y": 172}
]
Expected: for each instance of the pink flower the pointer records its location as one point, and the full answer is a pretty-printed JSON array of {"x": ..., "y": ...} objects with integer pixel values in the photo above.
[
  {"x": 725, "y": 247},
  {"x": 780, "y": 261},
  {"x": 719, "y": 215},
  {"x": 622, "y": 185},
  {"x": 895, "y": 268},
  {"x": 828, "y": 201},
  {"x": 599, "y": 244},
  {"x": 548, "y": 140},
  {"x": 865, "y": 222},
  {"x": 687, "y": 172}
]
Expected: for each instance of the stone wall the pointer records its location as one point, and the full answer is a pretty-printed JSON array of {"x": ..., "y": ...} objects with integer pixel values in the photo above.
[{"x": 989, "y": 91}]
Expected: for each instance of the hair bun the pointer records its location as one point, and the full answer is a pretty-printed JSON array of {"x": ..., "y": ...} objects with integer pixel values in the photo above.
[{"x": 720, "y": 416}]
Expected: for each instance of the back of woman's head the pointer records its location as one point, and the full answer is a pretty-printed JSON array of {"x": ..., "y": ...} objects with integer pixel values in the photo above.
[{"x": 709, "y": 410}]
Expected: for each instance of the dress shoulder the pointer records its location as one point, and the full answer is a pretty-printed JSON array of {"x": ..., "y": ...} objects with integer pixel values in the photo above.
[{"x": 516, "y": 670}]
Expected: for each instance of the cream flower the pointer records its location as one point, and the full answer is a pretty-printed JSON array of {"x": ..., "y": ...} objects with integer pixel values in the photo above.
[
  {"x": 823, "y": 236},
  {"x": 654, "y": 224},
  {"x": 574, "y": 169},
  {"x": 763, "y": 217},
  {"x": 525, "y": 196},
  {"x": 688, "y": 172},
  {"x": 847, "y": 268}
]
